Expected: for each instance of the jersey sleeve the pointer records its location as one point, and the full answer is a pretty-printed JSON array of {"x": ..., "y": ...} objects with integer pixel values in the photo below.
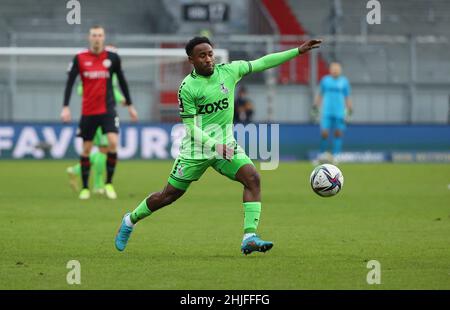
[
  {"x": 273, "y": 60},
  {"x": 186, "y": 102},
  {"x": 239, "y": 68},
  {"x": 72, "y": 73},
  {"x": 121, "y": 78}
]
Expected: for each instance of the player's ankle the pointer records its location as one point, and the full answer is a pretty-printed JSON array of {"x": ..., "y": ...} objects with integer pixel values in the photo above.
[
  {"x": 128, "y": 221},
  {"x": 248, "y": 235}
]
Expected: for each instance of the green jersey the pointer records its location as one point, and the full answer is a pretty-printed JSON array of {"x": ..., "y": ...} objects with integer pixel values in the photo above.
[
  {"x": 207, "y": 103},
  {"x": 210, "y": 102}
]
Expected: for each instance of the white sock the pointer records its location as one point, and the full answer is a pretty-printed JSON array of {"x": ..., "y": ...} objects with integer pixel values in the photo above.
[
  {"x": 248, "y": 235},
  {"x": 128, "y": 221}
]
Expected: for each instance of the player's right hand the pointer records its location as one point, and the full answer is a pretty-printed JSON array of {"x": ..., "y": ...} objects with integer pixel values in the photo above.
[
  {"x": 225, "y": 151},
  {"x": 133, "y": 113},
  {"x": 349, "y": 111},
  {"x": 65, "y": 115}
]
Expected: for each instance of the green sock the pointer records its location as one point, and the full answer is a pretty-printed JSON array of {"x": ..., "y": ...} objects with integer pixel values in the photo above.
[
  {"x": 98, "y": 161},
  {"x": 140, "y": 212},
  {"x": 252, "y": 211}
]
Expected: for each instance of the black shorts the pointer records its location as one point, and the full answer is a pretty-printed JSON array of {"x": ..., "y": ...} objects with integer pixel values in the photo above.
[{"x": 89, "y": 124}]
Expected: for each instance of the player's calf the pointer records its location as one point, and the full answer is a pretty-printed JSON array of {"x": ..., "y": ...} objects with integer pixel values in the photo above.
[
  {"x": 163, "y": 198},
  {"x": 153, "y": 202},
  {"x": 251, "y": 180},
  {"x": 249, "y": 177}
]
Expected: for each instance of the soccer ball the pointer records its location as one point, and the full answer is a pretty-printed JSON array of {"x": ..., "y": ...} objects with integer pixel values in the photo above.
[{"x": 326, "y": 180}]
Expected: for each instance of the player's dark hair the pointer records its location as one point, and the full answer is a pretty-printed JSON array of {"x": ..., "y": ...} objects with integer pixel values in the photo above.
[{"x": 194, "y": 42}]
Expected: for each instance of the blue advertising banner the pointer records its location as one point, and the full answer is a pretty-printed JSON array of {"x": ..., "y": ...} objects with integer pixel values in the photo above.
[{"x": 293, "y": 142}]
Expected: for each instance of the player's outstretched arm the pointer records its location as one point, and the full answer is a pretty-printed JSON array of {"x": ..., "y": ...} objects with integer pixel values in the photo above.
[
  {"x": 276, "y": 59},
  {"x": 309, "y": 45}
]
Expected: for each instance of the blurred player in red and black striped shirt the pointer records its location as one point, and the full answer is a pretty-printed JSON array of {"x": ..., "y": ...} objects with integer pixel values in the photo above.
[{"x": 96, "y": 67}]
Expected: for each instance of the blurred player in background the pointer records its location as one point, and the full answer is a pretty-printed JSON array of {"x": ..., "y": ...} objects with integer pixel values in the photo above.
[
  {"x": 335, "y": 105},
  {"x": 243, "y": 107},
  {"x": 97, "y": 159},
  {"x": 96, "y": 66},
  {"x": 206, "y": 100}
]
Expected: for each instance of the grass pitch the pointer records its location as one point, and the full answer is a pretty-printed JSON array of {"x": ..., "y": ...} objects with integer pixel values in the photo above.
[{"x": 397, "y": 214}]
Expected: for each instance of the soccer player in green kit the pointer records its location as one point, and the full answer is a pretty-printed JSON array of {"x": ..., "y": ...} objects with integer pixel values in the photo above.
[{"x": 206, "y": 99}]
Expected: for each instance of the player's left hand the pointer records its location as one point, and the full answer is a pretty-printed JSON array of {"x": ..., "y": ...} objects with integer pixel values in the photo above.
[
  {"x": 309, "y": 45},
  {"x": 133, "y": 113},
  {"x": 348, "y": 114},
  {"x": 350, "y": 111}
]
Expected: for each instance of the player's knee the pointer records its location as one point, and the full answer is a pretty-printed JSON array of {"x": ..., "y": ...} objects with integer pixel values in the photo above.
[
  {"x": 159, "y": 200},
  {"x": 325, "y": 134},
  {"x": 338, "y": 133},
  {"x": 254, "y": 182}
]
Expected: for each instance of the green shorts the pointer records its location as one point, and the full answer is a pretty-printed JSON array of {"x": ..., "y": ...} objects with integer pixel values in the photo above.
[
  {"x": 100, "y": 139},
  {"x": 186, "y": 170}
]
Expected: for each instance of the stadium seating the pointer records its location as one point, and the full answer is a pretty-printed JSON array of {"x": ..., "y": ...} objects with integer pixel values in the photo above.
[
  {"x": 383, "y": 62},
  {"x": 419, "y": 17},
  {"x": 50, "y": 15}
]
